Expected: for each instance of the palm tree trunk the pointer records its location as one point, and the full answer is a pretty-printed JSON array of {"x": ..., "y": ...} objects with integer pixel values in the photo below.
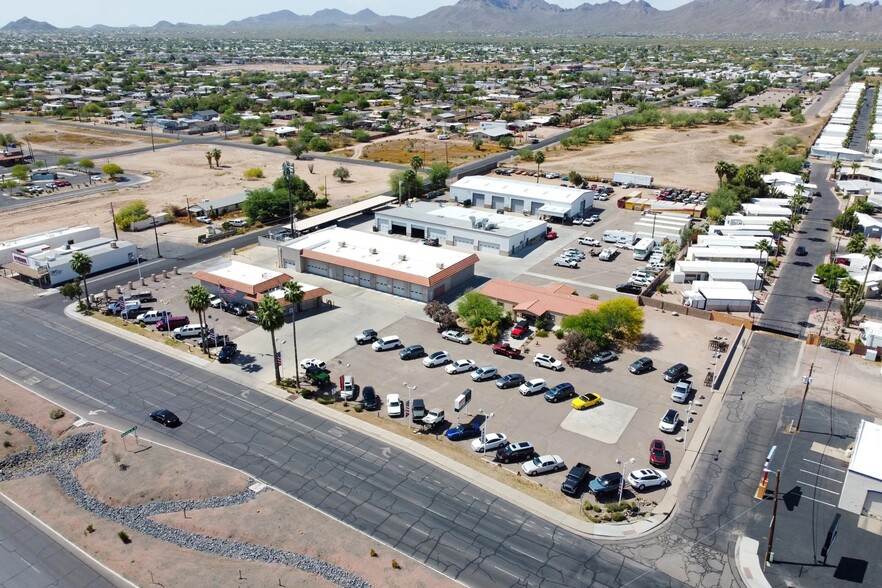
[
  {"x": 86, "y": 290},
  {"x": 296, "y": 362},
  {"x": 275, "y": 361}
]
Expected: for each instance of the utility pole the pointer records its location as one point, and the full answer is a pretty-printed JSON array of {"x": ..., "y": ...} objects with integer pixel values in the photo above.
[
  {"x": 774, "y": 515},
  {"x": 113, "y": 220},
  {"x": 288, "y": 174},
  {"x": 156, "y": 236},
  {"x": 807, "y": 380}
]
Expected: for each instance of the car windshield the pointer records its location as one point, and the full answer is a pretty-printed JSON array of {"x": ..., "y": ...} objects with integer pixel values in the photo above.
[{"x": 537, "y": 461}]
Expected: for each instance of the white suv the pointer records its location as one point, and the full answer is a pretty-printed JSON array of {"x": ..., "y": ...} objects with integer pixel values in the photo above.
[
  {"x": 546, "y": 361},
  {"x": 534, "y": 386}
]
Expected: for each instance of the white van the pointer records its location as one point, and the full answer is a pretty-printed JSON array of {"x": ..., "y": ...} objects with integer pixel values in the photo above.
[
  {"x": 643, "y": 249},
  {"x": 188, "y": 331},
  {"x": 387, "y": 343}
]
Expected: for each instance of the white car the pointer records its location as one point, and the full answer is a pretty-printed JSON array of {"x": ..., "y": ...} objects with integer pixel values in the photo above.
[
  {"x": 460, "y": 366},
  {"x": 604, "y": 356},
  {"x": 203, "y": 219},
  {"x": 458, "y": 336},
  {"x": 534, "y": 386},
  {"x": 590, "y": 241},
  {"x": 488, "y": 372},
  {"x": 543, "y": 464},
  {"x": 436, "y": 359},
  {"x": 602, "y": 197},
  {"x": 669, "y": 422},
  {"x": 490, "y": 442},
  {"x": 394, "y": 407},
  {"x": 443, "y": 137},
  {"x": 312, "y": 362},
  {"x": 546, "y": 361},
  {"x": 578, "y": 220},
  {"x": 238, "y": 222},
  {"x": 566, "y": 262},
  {"x": 594, "y": 217},
  {"x": 647, "y": 478},
  {"x": 215, "y": 301}
]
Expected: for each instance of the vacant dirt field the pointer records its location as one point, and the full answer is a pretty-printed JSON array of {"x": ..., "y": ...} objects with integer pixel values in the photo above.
[
  {"x": 272, "y": 519},
  {"x": 432, "y": 150},
  {"x": 74, "y": 142}
]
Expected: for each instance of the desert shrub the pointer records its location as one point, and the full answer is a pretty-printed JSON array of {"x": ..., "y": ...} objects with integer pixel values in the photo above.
[
  {"x": 835, "y": 344},
  {"x": 272, "y": 141},
  {"x": 124, "y": 537},
  {"x": 542, "y": 333},
  {"x": 56, "y": 413},
  {"x": 736, "y": 138},
  {"x": 257, "y": 140},
  {"x": 663, "y": 288},
  {"x": 131, "y": 213},
  {"x": 254, "y": 173}
]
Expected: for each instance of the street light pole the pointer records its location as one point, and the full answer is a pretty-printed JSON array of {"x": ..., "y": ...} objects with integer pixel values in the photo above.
[
  {"x": 400, "y": 184},
  {"x": 113, "y": 220},
  {"x": 774, "y": 516},
  {"x": 622, "y": 481},
  {"x": 686, "y": 431},
  {"x": 156, "y": 236},
  {"x": 288, "y": 174}
]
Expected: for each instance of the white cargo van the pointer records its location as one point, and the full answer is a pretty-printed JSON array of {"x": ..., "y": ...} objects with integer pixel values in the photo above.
[{"x": 643, "y": 249}]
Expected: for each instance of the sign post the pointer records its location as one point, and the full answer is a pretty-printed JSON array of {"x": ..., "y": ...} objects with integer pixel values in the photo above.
[{"x": 132, "y": 431}]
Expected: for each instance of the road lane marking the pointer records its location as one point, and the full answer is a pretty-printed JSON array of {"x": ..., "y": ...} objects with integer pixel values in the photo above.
[{"x": 819, "y": 501}]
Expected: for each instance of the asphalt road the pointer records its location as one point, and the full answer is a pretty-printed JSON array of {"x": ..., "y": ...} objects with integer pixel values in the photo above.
[
  {"x": 433, "y": 516},
  {"x": 30, "y": 558}
]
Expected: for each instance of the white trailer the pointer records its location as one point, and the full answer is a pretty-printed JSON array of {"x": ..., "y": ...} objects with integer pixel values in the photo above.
[{"x": 620, "y": 237}]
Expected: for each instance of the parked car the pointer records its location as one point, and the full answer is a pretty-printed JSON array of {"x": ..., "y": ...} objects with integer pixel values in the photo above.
[
  {"x": 543, "y": 464},
  {"x": 520, "y": 329},
  {"x": 531, "y": 387},
  {"x": 590, "y": 241},
  {"x": 801, "y": 251},
  {"x": 676, "y": 372},
  {"x": 669, "y": 421},
  {"x": 560, "y": 392},
  {"x": 485, "y": 373},
  {"x": 317, "y": 376},
  {"x": 604, "y": 357},
  {"x": 443, "y": 137},
  {"x": 463, "y": 432},
  {"x": 394, "y": 406},
  {"x": 62, "y": 183},
  {"x": 215, "y": 301},
  {"x": 164, "y": 416},
  {"x": 369, "y": 398},
  {"x": 647, "y": 478},
  {"x": 417, "y": 410},
  {"x": 629, "y": 288},
  {"x": 366, "y": 336},
  {"x": 433, "y": 242},
  {"x": 433, "y": 417},
  {"x": 458, "y": 336},
  {"x": 412, "y": 352},
  {"x": 436, "y": 359},
  {"x": 658, "y": 454},
  {"x": 235, "y": 308},
  {"x": 228, "y": 353},
  {"x": 203, "y": 219},
  {"x": 515, "y": 452},
  {"x": 566, "y": 262},
  {"x": 644, "y": 364},
  {"x": 547, "y": 361},
  {"x": 313, "y": 362},
  {"x": 172, "y": 322},
  {"x": 586, "y": 401},
  {"x": 681, "y": 392},
  {"x": 506, "y": 349},
  {"x": 510, "y": 381},
  {"x": 489, "y": 442},
  {"x": 460, "y": 366},
  {"x": 550, "y": 236},
  {"x": 816, "y": 279},
  {"x": 605, "y": 484},
  {"x": 238, "y": 222},
  {"x": 575, "y": 479}
]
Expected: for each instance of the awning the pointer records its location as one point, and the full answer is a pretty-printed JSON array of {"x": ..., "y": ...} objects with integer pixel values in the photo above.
[
  {"x": 26, "y": 270},
  {"x": 552, "y": 210}
]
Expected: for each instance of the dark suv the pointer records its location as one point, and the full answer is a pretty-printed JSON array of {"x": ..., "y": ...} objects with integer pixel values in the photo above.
[
  {"x": 644, "y": 364},
  {"x": 418, "y": 410},
  {"x": 560, "y": 392},
  {"x": 676, "y": 372},
  {"x": 516, "y": 452},
  {"x": 412, "y": 352},
  {"x": 369, "y": 398},
  {"x": 605, "y": 483}
]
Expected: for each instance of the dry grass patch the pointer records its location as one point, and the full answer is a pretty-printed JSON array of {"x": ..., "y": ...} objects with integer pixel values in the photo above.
[{"x": 401, "y": 151}]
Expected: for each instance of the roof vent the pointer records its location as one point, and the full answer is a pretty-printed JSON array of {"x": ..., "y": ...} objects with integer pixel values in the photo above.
[
  {"x": 402, "y": 257},
  {"x": 373, "y": 250},
  {"x": 341, "y": 243},
  {"x": 440, "y": 265}
]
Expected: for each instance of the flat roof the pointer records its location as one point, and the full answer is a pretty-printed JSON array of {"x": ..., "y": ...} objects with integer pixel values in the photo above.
[
  {"x": 92, "y": 247},
  {"x": 460, "y": 217},
  {"x": 523, "y": 189},
  {"x": 242, "y": 277},
  {"x": 387, "y": 256},
  {"x": 867, "y": 446},
  {"x": 38, "y": 238},
  {"x": 715, "y": 268}
]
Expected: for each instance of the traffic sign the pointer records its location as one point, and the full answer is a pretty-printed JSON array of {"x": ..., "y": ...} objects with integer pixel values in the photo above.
[{"x": 129, "y": 432}]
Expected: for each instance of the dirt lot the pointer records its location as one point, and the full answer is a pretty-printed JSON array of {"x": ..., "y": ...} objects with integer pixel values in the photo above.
[
  {"x": 455, "y": 151},
  {"x": 272, "y": 519},
  {"x": 75, "y": 142}
]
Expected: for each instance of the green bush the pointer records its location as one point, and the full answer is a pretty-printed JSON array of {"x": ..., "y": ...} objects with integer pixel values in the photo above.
[
  {"x": 663, "y": 289},
  {"x": 257, "y": 140},
  {"x": 835, "y": 344},
  {"x": 321, "y": 202},
  {"x": 559, "y": 334},
  {"x": 254, "y": 173},
  {"x": 56, "y": 413},
  {"x": 272, "y": 141},
  {"x": 618, "y": 517},
  {"x": 358, "y": 408},
  {"x": 124, "y": 537},
  {"x": 131, "y": 213},
  {"x": 542, "y": 333}
]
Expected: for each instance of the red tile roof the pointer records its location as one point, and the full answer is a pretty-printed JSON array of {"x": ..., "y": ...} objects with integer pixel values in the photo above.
[
  {"x": 211, "y": 278},
  {"x": 558, "y": 299}
]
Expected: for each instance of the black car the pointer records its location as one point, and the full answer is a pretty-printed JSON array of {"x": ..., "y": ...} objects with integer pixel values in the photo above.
[
  {"x": 629, "y": 288},
  {"x": 370, "y": 400},
  {"x": 560, "y": 392},
  {"x": 676, "y": 372},
  {"x": 164, "y": 416},
  {"x": 521, "y": 451},
  {"x": 412, "y": 352},
  {"x": 801, "y": 252},
  {"x": 644, "y": 364},
  {"x": 235, "y": 308},
  {"x": 228, "y": 353},
  {"x": 510, "y": 381}
]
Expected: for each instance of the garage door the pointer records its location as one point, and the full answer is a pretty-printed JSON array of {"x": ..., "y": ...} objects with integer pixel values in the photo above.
[
  {"x": 383, "y": 284},
  {"x": 364, "y": 280},
  {"x": 534, "y": 207},
  {"x": 418, "y": 232},
  {"x": 350, "y": 276},
  {"x": 400, "y": 288},
  {"x": 487, "y": 246},
  {"x": 398, "y": 229},
  {"x": 477, "y": 200},
  {"x": 318, "y": 268},
  {"x": 517, "y": 205},
  {"x": 463, "y": 242},
  {"x": 439, "y": 233},
  {"x": 873, "y": 505},
  {"x": 498, "y": 202},
  {"x": 417, "y": 292}
]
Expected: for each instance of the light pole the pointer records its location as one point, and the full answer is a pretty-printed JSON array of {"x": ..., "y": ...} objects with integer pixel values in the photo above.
[
  {"x": 486, "y": 418},
  {"x": 622, "y": 481},
  {"x": 288, "y": 174},
  {"x": 400, "y": 184},
  {"x": 156, "y": 236},
  {"x": 113, "y": 220},
  {"x": 138, "y": 259},
  {"x": 410, "y": 390},
  {"x": 686, "y": 430}
]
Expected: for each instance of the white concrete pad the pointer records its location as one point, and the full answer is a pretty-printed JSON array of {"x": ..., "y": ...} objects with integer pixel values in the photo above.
[{"x": 604, "y": 423}]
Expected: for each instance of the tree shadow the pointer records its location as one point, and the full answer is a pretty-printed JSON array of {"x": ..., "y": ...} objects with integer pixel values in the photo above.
[{"x": 648, "y": 342}]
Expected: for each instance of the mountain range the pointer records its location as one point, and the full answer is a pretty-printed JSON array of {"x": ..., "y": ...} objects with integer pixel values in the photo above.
[{"x": 493, "y": 18}]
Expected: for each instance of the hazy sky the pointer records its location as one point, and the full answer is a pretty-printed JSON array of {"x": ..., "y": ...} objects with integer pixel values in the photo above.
[{"x": 64, "y": 13}]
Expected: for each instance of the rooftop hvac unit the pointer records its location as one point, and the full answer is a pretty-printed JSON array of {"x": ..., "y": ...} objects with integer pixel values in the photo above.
[
  {"x": 440, "y": 265},
  {"x": 373, "y": 250},
  {"x": 341, "y": 243},
  {"x": 402, "y": 257},
  {"x": 472, "y": 218}
]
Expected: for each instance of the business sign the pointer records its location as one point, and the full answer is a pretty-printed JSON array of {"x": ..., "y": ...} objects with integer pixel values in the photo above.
[
  {"x": 462, "y": 400},
  {"x": 20, "y": 259}
]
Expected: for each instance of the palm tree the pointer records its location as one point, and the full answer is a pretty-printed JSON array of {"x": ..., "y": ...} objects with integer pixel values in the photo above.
[
  {"x": 294, "y": 296},
  {"x": 416, "y": 162},
  {"x": 779, "y": 228},
  {"x": 720, "y": 170},
  {"x": 539, "y": 158},
  {"x": 837, "y": 165},
  {"x": 873, "y": 252},
  {"x": 81, "y": 264},
  {"x": 764, "y": 247},
  {"x": 855, "y": 166},
  {"x": 208, "y": 156},
  {"x": 198, "y": 301},
  {"x": 216, "y": 153},
  {"x": 271, "y": 318}
]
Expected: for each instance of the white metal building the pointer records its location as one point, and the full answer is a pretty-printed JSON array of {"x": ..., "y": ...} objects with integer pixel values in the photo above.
[
  {"x": 662, "y": 226},
  {"x": 51, "y": 267},
  {"x": 386, "y": 264},
  {"x": 510, "y": 195},
  {"x": 472, "y": 228},
  {"x": 736, "y": 254},
  {"x": 641, "y": 180},
  {"x": 862, "y": 489},
  {"x": 749, "y": 274},
  {"x": 48, "y": 239},
  {"x": 740, "y": 231},
  {"x": 734, "y": 240},
  {"x": 725, "y": 296}
]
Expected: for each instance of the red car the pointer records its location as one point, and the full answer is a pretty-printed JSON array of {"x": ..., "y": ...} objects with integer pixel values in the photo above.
[
  {"x": 62, "y": 183},
  {"x": 520, "y": 329},
  {"x": 658, "y": 455},
  {"x": 550, "y": 235},
  {"x": 843, "y": 261}
]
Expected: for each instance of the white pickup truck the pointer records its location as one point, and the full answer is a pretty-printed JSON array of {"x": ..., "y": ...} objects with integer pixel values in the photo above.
[
  {"x": 153, "y": 316},
  {"x": 607, "y": 254}
]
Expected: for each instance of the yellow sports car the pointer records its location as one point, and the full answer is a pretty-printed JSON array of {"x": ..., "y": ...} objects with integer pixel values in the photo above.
[{"x": 585, "y": 401}]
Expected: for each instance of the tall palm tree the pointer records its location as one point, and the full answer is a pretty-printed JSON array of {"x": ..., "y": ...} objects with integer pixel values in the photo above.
[
  {"x": 837, "y": 165},
  {"x": 208, "y": 156},
  {"x": 539, "y": 158},
  {"x": 216, "y": 153},
  {"x": 294, "y": 296},
  {"x": 779, "y": 228},
  {"x": 271, "y": 318},
  {"x": 764, "y": 247},
  {"x": 873, "y": 252},
  {"x": 81, "y": 264},
  {"x": 198, "y": 300},
  {"x": 720, "y": 170},
  {"x": 416, "y": 162},
  {"x": 855, "y": 166}
]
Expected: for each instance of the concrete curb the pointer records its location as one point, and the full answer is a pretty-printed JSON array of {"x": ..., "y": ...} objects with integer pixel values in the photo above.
[{"x": 748, "y": 563}]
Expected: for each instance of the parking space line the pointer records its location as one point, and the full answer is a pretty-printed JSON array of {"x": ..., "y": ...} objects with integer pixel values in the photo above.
[
  {"x": 818, "y": 487},
  {"x": 824, "y": 465},
  {"x": 820, "y": 476},
  {"x": 819, "y": 501}
]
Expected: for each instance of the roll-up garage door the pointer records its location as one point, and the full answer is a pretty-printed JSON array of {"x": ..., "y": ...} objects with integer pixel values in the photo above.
[
  {"x": 418, "y": 232},
  {"x": 399, "y": 288},
  {"x": 438, "y": 233},
  {"x": 417, "y": 292},
  {"x": 383, "y": 284},
  {"x": 364, "y": 280},
  {"x": 318, "y": 268},
  {"x": 498, "y": 202},
  {"x": 463, "y": 242},
  {"x": 350, "y": 276},
  {"x": 487, "y": 246},
  {"x": 517, "y": 205},
  {"x": 534, "y": 207},
  {"x": 477, "y": 200}
]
